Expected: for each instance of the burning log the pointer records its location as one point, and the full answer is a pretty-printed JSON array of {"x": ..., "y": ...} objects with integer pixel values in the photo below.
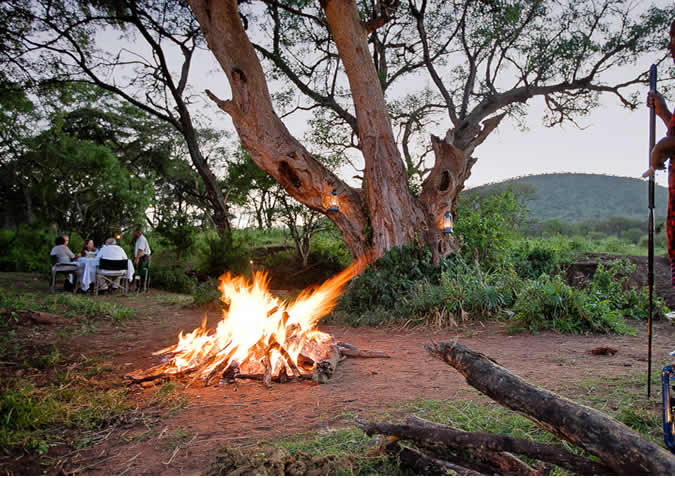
[
  {"x": 323, "y": 369},
  {"x": 619, "y": 448},
  {"x": 264, "y": 336}
]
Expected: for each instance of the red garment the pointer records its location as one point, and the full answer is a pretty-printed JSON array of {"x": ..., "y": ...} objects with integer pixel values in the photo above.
[{"x": 670, "y": 219}]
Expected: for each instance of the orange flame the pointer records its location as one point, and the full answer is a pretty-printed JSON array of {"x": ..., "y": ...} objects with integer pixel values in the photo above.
[{"x": 256, "y": 326}]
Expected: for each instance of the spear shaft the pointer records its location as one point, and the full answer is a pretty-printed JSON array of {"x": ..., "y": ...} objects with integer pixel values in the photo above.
[{"x": 650, "y": 248}]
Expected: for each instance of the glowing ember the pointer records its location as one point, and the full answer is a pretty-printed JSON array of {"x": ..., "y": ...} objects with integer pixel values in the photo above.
[{"x": 259, "y": 335}]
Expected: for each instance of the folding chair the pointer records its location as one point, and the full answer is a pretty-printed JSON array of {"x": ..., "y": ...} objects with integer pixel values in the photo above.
[
  {"x": 62, "y": 268},
  {"x": 109, "y": 270}
]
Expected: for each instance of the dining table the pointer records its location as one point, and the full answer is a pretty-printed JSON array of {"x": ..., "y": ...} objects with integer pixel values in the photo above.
[{"x": 87, "y": 271}]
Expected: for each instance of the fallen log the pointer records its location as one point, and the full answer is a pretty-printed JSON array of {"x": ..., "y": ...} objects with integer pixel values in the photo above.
[
  {"x": 488, "y": 441},
  {"x": 426, "y": 465},
  {"x": 505, "y": 462},
  {"x": 618, "y": 447}
]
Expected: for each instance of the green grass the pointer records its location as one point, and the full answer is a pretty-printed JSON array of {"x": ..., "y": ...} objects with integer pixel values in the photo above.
[
  {"x": 68, "y": 305},
  {"x": 36, "y": 418},
  {"x": 622, "y": 398}
]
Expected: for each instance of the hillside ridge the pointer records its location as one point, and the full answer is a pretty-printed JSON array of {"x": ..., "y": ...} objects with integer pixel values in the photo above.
[{"x": 577, "y": 197}]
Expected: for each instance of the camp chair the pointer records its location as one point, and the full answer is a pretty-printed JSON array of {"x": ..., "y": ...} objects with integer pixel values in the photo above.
[
  {"x": 62, "y": 268},
  {"x": 109, "y": 270}
]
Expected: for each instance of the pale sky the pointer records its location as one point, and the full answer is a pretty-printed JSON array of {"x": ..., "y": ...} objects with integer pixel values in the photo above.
[{"x": 614, "y": 141}]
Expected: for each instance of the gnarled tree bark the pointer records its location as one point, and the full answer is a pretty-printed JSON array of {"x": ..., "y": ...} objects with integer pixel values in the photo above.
[{"x": 383, "y": 215}]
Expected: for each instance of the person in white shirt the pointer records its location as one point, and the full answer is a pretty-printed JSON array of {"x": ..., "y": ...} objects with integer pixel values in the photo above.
[
  {"x": 142, "y": 248},
  {"x": 110, "y": 251}
]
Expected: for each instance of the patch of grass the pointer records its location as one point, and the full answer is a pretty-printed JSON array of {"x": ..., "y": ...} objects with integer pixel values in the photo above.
[
  {"x": 349, "y": 443},
  {"x": 179, "y": 300},
  {"x": 176, "y": 438},
  {"x": 68, "y": 305},
  {"x": 34, "y": 417},
  {"x": 169, "y": 396},
  {"x": 90, "y": 308}
]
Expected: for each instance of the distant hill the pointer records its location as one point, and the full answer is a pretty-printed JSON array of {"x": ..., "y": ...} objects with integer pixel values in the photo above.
[{"x": 579, "y": 197}]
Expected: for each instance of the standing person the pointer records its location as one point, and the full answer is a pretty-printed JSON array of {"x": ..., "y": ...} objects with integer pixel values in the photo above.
[
  {"x": 141, "y": 248},
  {"x": 664, "y": 150}
]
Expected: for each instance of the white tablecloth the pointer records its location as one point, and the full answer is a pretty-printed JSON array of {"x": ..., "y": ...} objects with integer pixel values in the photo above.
[{"x": 87, "y": 271}]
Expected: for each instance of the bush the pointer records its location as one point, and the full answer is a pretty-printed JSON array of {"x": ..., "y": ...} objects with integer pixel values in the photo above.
[
  {"x": 477, "y": 293},
  {"x": 222, "y": 254},
  {"x": 329, "y": 249},
  {"x": 549, "y": 303},
  {"x": 206, "y": 293},
  {"x": 172, "y": 278},
  {"x": 611, "y": 283},
  {"x": 385, "y": 283},
  {"x": 486, "y": 225},
  {"x": 25, "y": 249},
  {"x": 533, "y": 258}
]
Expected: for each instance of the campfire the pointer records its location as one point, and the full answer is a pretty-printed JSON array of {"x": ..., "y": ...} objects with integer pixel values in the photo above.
[{"x": 260, "y": 336}]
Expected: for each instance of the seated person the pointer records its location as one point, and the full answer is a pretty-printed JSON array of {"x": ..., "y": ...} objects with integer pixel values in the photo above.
[
  {"x": 88, "y": 248},
  {"x": 112, "y": 251},
  {"x": 62, "y": 251},
  {"x": 64, "y": 256}
]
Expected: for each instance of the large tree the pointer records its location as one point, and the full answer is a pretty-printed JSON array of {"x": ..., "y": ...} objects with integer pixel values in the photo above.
[
  {"x": 485, "y": 58},
  {"x": 57, "y": 40}
]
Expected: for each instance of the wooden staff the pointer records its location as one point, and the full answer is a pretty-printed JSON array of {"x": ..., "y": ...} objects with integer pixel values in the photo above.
[{"x": 650, "y": 247}]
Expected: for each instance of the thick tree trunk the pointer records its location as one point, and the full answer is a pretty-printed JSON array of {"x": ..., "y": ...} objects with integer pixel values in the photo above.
[
  {"x": 395, "y": 215},
  {"x": 385, "y": 214},
  {"x": 262, "y": 133},
  {"x": 617, "y": 446}
]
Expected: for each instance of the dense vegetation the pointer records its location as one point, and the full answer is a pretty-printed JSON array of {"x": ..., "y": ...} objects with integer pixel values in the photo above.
[{"x": 498, "y": 271}]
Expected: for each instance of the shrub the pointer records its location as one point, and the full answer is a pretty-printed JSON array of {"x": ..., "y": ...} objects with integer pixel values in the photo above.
[
  {"x": 329, "y": 249},
  {"x": 611, "y": 283},
  {"x": 391, "y": 278},
  {"x": 206, "y": 293},
  {"x": 533, "y": 258},
  {"x": 25, "y": 249},
  {"x": 549, "y": 303},
  {"x": 172, "y": 278},
  {"x": 222, "y": 254},
  {"x": 486, "y": 225},
  {"x": 480, "y": 294}
]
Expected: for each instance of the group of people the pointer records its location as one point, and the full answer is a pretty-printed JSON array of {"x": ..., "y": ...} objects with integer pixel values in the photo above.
[{"x": 110, "y": 250}]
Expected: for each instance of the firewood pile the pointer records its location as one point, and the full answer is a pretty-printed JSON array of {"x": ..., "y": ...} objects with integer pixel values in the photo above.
[
  {"x": 317, "y": 362},
  {"x": 432, "y": 449}
]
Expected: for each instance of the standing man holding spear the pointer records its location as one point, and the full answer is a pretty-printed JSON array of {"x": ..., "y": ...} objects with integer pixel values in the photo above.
[{"x": 659, "y": 153}]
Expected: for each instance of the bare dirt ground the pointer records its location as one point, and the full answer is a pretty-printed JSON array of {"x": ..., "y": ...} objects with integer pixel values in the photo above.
[{"x": 243, "y": 413}]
